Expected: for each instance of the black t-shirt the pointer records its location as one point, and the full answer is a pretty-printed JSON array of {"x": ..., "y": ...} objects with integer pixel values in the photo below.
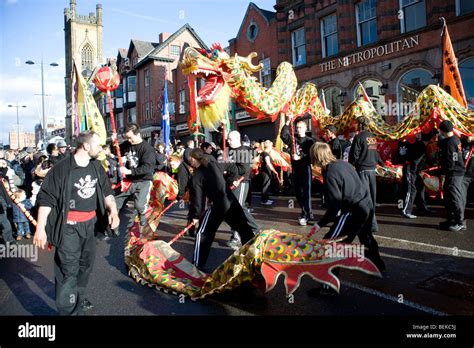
[
  {"x": 83, "y": 195},
  {"x": 264, "y": 167}
]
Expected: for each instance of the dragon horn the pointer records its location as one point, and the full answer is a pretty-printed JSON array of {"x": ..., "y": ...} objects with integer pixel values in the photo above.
[{"x": 247, "y": 63}]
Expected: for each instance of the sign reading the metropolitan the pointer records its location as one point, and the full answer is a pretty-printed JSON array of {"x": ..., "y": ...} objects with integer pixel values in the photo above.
[{"x": 370, "y": 53}]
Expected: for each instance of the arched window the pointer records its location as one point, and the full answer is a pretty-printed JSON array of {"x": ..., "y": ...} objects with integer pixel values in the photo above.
[
  {"x": 409, "y": 88},
  {"x": 466, "y": 69},
  {"x": 87, "y": 57},
  {"x": 334, "y": 100},
  {"x": 376, "y": 93}
]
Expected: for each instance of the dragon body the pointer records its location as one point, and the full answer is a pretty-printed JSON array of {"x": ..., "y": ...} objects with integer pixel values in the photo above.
[{"x": 231, "y": 77}]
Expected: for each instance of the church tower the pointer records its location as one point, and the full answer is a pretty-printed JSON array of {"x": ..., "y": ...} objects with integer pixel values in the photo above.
[{"x": 83, "y": 43}]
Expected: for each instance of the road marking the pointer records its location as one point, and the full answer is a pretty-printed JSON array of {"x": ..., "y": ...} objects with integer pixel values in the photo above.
[
  {"x": 444, "y": 250},
  {"x": 407, "y": 303}
]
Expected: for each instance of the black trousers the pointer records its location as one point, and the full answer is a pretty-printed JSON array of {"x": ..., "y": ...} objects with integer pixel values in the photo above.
[
  {"x": 357, "y": 222},
  {"x": 368, "y": 180},
  {"x": 73, "y": 262},
  {"x": 302, "y": 180},
  {"x": 240, "y": 193},
  {"x": 414, "y": 190},
  {"x": 266, "y": 184},
  {"x": 210, "y": 222},
  {"x": 454, "y": 199},
  {"x": 466, "y": 182}
]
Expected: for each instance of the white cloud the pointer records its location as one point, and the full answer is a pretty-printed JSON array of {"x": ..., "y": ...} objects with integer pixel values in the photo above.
[{"x": 11, "y": 2}]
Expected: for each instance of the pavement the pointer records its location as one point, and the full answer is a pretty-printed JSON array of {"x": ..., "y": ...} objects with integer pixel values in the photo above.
[{"x": 429, "y": 272}]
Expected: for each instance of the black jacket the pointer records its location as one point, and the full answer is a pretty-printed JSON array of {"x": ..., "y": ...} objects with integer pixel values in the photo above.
[
  {"x": 303, "y": 145},
  {"x": 161, "y": 162},
  {"x": 241, "y": 160},
  {"x": 208, "y": 182},
  {"x": 183, "y": 176},
  {"x": 55, "y": 192},
  {"x": 416, "y": 156},
  {"x": 468, "y": 159},
  {"x": 140, "y": 159},
  {"x": 343, "y": 190},
  {"x": 364, "y": 154},
  {"x": 450, "y": 156}
]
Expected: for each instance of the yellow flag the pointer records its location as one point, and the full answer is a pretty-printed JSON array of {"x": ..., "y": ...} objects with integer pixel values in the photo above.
[{"x": 86, "y": 113}]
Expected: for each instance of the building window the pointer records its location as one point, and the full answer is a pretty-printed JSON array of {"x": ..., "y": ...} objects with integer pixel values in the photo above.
[
  {"x": 266, "y": 73},
  {"x": 334, "y": 100},
  {"x": 366, "y": 22},
  {"x": 182, "y": 101},
  {"x": 409, "y": 88},
  {"x": 148, "y": 111},
  {"x": 118, "y": 93},
  {"x": 466, "y": 69},
  {"x": 87, "y": 57},
  {"x": 329, "y": 35},
  {"x": 147, "y": 77},
  {"x": 175, "y": 50},
  {"x": 464, "y": 6},
  {"x": 252, "y": 31},
  {"x": 131, "y": 84},
  {"x": 376, "y": 94},
  {"x": 412, "y": 15},
  {"x": 298, "y": 45}
]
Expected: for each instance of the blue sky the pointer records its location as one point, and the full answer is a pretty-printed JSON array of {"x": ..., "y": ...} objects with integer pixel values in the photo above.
[{"x": 32, "y": 28}]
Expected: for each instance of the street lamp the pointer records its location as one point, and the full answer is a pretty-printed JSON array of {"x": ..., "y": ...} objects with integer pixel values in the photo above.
[
  {"x": 30, "y": 62},
  {"x": 17, "y": 121}
]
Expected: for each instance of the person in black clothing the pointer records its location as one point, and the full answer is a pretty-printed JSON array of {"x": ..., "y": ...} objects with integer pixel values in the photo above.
[
  {"x": 237, "y": 177},
  {"x": 349, "y": 205},
  {"x": 413, "y": 157},
  {"x": 161, "y": 160},
  {"x": 5, "y": 202},
  {"x": 364, "y": 157},
  {"x": 139, "y": 168},
  {"x": 73, "y": 203},
  {"x": 452, "y": 166},
  {"x": 53, "y": 153},
  {"x": 467, "y": 151},
  {"x": 337, "y": 145},
  {"x": 209, "y": 182},
  {"x": 301, "y": 166},
  {"x": 184, "y": 179}
]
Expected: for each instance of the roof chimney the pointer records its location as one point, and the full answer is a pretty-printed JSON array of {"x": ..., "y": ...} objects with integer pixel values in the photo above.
[{"x": 163, "y": 37}]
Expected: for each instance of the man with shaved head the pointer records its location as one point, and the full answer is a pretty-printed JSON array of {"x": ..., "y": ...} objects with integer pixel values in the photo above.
[{"x": 237, "y": 175}]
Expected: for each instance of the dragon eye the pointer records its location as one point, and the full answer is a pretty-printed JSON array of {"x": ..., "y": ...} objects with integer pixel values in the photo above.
[{"x": 215, "y": 54}]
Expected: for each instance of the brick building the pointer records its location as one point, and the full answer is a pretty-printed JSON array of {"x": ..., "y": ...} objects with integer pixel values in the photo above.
[
  {"x": 392, "y": 47},
  {"x": 257, "y": 33},
  {"x": 143, "y": 68}
]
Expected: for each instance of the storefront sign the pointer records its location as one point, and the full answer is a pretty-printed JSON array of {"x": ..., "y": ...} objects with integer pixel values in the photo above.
[
  {"x": 241, "y": 114},
  {"x": 181, "y": 127},
  {"x": 370, "y": 53}
]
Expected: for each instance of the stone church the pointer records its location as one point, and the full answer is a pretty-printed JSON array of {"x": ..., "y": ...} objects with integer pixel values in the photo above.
[{"x": 83, "y": 43}]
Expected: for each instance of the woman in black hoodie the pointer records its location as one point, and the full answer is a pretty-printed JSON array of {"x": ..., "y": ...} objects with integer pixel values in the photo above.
[{"x": 208, "y": 182}]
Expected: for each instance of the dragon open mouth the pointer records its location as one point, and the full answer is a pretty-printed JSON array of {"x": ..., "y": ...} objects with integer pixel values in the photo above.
[{"x": 211, "y": 89}]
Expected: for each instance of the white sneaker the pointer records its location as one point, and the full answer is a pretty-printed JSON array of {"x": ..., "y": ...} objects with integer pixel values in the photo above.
[
  {"x": 303, "y": 221},
  {"x": 269, "y": 202},
  {"x": 409, "y": 216}
]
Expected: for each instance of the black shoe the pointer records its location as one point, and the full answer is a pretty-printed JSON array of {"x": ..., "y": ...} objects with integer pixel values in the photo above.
[
  {"x": 377, "y": 261},
  {"x": 323, "y": 290},
  {"x": 86, "y": 305},
  {"x": 234, "y": 244}
]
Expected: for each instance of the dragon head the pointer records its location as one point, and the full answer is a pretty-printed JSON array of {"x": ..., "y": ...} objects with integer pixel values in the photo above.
[{"x": 219, "y": 71}]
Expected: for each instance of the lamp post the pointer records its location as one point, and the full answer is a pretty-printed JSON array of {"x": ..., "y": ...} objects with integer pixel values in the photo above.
[
  {"x": 30, "y": 62},
  {"x": 17, "y": 121}
]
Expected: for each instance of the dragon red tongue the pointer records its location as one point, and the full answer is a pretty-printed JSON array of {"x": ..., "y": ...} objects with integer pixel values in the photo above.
[{"x": 206, "y": 91}]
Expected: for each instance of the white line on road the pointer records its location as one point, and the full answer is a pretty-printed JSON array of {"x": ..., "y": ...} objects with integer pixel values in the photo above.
[
  {"x": 446, "y": 251},
  {"x": 393, "y": 298}
]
